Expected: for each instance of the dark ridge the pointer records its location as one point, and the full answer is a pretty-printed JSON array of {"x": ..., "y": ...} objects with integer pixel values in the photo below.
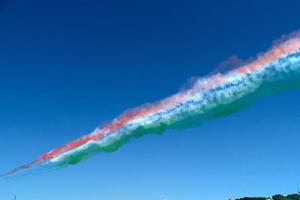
[{"x": 275, "y": 197}]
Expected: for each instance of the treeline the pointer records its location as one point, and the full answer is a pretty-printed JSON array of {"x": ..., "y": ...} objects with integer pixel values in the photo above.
[{"x": 275, "y": 197}]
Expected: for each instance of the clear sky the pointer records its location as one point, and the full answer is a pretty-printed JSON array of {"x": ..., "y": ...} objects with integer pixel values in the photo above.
[{"x": 68, "y": 66}]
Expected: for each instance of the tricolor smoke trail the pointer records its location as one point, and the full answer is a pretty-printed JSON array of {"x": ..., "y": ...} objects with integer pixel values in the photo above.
[{"x": 207, "y": 98}]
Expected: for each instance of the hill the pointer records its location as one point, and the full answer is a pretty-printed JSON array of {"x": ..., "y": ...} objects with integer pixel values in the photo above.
[{"x": 275, "y": 197}]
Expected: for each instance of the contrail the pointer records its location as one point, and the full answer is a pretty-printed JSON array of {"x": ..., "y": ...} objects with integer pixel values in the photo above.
[{"x": 207, "y": 98}]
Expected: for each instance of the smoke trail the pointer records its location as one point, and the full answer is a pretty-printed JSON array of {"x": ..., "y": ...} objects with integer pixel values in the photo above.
[{"x": 207, "y": 98}]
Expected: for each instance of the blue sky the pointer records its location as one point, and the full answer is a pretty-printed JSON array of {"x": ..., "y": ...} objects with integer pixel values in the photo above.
[{"x": 68, "y": 66}]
